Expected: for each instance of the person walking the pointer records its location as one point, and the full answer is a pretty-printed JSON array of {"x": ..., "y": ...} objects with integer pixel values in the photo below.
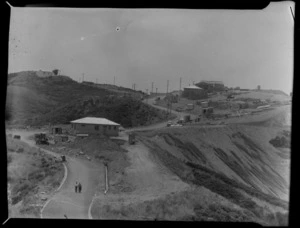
[
  {"x": 79, "y": 187},
  {"x": 76, "y": 187}
]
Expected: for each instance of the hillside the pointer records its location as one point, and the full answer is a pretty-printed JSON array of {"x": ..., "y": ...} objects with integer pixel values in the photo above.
[
  {"x": 32, "y": 100},
  {"x": 242, "y": 165},
  {"x": 31, "y": 174}
]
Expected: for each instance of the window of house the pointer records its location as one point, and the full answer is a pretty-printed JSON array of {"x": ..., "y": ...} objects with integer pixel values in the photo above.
[
  {"x": 97, "y": 128},
  {"x": 115, "y": 127},
  {"x": 108, "y": 127},
  {"x": 82, "y": 125}
]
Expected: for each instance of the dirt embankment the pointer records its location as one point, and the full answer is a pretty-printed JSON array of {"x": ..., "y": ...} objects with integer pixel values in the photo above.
[
  {"x": 32, "y": 176},
  {"x": 236, "y": 162}
]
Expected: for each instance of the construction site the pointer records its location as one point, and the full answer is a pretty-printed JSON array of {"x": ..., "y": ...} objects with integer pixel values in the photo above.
[
  {"x": 142, "y": 172},
  {"x": 150, "y": 115}
]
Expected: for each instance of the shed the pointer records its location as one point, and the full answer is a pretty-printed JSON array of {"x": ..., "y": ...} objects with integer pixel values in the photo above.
[
  {"x": 56, "y": 130},
  {"x": 194, "y": 92}
]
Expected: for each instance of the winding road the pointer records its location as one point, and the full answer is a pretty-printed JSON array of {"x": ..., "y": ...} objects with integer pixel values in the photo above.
[
  {"x": 144, "y": 171},
  {"x": 66, "y": 202}
]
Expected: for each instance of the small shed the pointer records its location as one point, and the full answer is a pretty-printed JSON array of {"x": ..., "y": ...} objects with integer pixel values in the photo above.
[
  {"x": 207, "y": 111},
  {"x": 204, "y": 104},
  {"x": 56, "y": 130},
  {"x": 131, "y": 138},
  {"x": 190, "y": 106}
]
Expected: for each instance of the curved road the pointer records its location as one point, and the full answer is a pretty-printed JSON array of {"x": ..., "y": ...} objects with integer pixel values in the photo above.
[
  {"x": 66, "y": 201},
  {"x": 151, "y": 102},
  {"x": 76, "y": 205}
]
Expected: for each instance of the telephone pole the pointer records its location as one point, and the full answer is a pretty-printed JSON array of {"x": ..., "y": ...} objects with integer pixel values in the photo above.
[
  {"x": 152, "y": 88},
  {"x": 147, "y": 96},
  {"x": 167, "y": 87},
  {"x": 114, "y": 80},
  {"x": 167, "y": 97},
  {"x": 179, "y": 89},
  {"x": 83, "y": 77}
]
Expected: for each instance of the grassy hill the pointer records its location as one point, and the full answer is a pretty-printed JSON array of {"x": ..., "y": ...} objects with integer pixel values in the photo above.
[{"x": 33, "y": 100}]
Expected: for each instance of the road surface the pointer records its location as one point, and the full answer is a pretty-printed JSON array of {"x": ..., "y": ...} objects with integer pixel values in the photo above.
[{"x": 66, "y": 201}]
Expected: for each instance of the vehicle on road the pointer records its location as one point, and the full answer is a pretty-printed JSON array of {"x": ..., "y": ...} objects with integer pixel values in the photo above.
[
  {"x": 169, "y": 124},
  {"x": 176, "y": 125},
  {"x": 41, "y": 139}
]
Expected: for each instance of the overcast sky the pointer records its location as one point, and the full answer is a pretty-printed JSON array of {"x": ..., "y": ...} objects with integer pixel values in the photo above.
[{"x": 242, "y": 48}]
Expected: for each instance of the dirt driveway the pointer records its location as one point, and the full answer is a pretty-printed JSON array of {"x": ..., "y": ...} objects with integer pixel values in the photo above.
[
  {"x": 66, "y": 201},
  {"x": 147, "y": 178}
]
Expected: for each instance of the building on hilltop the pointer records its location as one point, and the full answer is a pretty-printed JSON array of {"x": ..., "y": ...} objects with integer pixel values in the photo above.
[
  {"x": 211, "y": 86},
  {"x": 44, "y": 74},
  {"x": 194, "y": 92},
  {"x": 95, "y": 126}
]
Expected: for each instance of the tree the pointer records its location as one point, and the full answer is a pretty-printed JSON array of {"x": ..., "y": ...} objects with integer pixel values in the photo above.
[{"x": 55, "y": 71}]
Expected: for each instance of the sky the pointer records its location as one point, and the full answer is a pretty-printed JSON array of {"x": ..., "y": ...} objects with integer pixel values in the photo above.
[{"x": 242, "y": 48}]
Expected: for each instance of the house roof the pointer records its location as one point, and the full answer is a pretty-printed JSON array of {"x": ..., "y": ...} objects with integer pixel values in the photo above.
[
  {"x": 94, "y": 120},
  {"x": 192, "y": 87},
  {"x": 212, "y": 82}
]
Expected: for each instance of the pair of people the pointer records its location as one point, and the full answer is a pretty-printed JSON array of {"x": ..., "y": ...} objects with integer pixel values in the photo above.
[{"x": 78, "y": 187}]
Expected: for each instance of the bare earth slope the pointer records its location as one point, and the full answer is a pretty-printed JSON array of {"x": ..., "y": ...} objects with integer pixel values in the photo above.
[{"x": 240, "y": 152}]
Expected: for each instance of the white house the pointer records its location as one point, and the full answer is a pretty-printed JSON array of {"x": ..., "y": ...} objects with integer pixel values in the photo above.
[{"x": 94, "y": 125}]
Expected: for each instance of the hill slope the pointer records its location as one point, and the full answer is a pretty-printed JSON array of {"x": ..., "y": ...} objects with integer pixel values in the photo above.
[
  {"x": 32, "y": 100},
  {"x": 242, "y": 153},
  {"x": 245, "y": 164}
]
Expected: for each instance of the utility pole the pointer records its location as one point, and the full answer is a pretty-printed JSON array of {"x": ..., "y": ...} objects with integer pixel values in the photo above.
[
  {"x": 114, "y": 80},
  {"x": 83, "y": 77},
  {"x": 179, "y": 89},
  {"x": 167, "y": 87},
  {"x": 147, "y": 96},
  {"x": 152, "y": 88}
]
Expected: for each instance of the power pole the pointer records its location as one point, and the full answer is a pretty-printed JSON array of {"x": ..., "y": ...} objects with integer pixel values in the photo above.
[
  {"x": 152, "y": 88},
  {"x": 114, "y": 80},
  {"x": 83, "y": 77},
  {"x": 147, "y": 96},
  {"x": 179, "y": 89},
  {"x": 167, "y": 87}
]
